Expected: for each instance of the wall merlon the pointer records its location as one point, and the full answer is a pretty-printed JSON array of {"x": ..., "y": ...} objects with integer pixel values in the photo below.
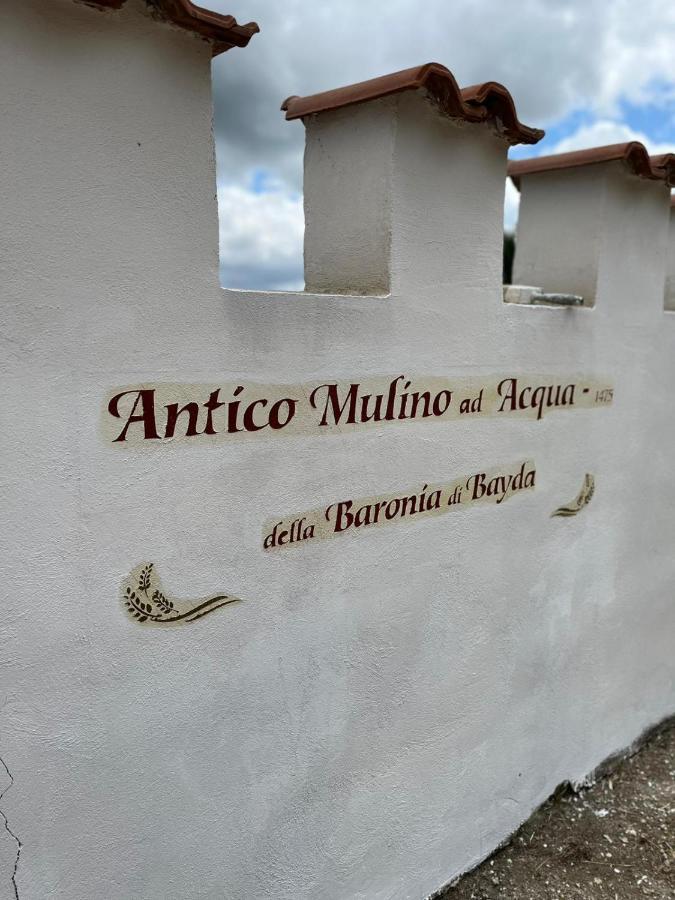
[
  {"x": 124, "y": 103},
  {"x": 411, "y": 145},
  {"x": 588, "y": 212}
]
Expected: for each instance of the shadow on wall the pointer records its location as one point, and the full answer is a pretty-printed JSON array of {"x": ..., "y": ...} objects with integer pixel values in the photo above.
[{"x": 507, "y": 257}]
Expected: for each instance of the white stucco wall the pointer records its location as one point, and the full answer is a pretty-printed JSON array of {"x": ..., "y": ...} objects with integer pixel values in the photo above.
[
  {"x": 369, "y": 197},
  {"x": 385, "y": 707},
  {"x": 570, "y": 223},
  {"x": 561, "y": 220},
  {"x": 669, "y": 299},
  {"x": 348, "y": 181}
]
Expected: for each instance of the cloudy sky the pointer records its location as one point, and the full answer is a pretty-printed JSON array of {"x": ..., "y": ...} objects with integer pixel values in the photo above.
[{"x": 590, "y": 72}]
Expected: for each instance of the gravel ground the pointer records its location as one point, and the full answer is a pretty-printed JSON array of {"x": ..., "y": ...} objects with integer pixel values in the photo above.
[{"x": 614, "y": 840}]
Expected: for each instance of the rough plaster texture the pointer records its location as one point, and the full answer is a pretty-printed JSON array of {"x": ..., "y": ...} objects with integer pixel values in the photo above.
[
  {"x": 565, "y": 219},
  {"x": 669, "y": 298},
  {"x": 349, "y": 162},
  {"x": 383, "y": 708},
  {"x": 383, "y": 176}
]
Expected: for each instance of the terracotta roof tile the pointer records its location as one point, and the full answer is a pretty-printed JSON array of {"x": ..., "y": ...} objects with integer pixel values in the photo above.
[
  {"x": 489, "y": 102},
  {"x": 222, "y": 31},
  {"x": 633, "y": 154},
  {"x": 664, "y": 165}
]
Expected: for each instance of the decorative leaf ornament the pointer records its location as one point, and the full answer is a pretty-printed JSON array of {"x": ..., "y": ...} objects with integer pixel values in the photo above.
[
  {"x": 146, "y": 603},
  {"x": 582, "y": 499}
]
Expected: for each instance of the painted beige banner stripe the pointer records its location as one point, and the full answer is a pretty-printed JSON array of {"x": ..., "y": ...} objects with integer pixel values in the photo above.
[
  {"x": 149, "y": 414},
  {"x": 362, "y": 513}
]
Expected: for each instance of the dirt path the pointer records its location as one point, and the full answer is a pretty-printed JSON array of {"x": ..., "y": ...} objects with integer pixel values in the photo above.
[{"x": 613, "y": 841}]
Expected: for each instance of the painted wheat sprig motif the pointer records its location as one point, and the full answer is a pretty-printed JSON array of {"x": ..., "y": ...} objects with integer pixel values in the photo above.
[
  {"x": 144, "y": 579},
  {"x": 146, "y": 603},
  {"x": 582, "y": 499}
]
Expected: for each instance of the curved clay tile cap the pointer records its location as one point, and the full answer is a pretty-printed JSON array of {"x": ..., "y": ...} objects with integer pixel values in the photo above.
[
  {"x": 633, "y": 154},
  {"x": 490, "y": 102},
  {"x": 224, "y": 32},
  {"x": 664, "y": 165}
]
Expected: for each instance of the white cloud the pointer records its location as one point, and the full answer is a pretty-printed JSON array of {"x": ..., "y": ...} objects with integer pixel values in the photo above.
[
  {"x": 606, "y": 131},
  {"x": 260, "y": 238}
]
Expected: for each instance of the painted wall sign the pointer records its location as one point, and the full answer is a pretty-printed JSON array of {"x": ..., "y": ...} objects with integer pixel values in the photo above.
[
  {"x": 148, "y": 414},
  {"x": 356, "y": 514},
  {"x": 582, "y": 499},
  {"x": 146, "y": 602}
]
